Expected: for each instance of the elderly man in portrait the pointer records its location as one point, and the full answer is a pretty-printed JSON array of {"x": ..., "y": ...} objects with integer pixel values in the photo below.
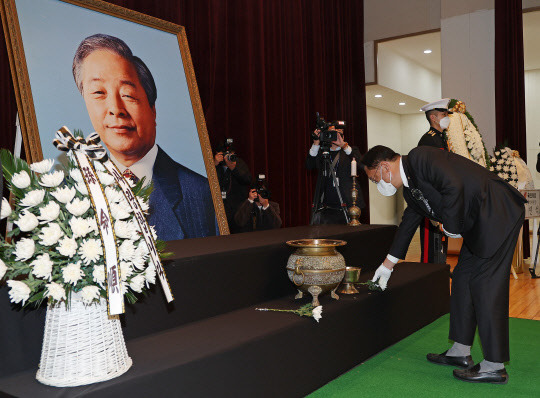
[{"x": 120, "y": 96}]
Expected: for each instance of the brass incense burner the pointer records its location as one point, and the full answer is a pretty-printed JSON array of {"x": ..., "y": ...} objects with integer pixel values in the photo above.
[{"x": 316, "y": 267}]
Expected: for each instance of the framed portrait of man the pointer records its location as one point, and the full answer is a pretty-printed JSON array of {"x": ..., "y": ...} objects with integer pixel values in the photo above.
[{"x": 94, "y": 66}]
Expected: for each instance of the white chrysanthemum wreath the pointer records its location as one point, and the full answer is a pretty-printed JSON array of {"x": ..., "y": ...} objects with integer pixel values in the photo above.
[{"x": 55, "y": 246}]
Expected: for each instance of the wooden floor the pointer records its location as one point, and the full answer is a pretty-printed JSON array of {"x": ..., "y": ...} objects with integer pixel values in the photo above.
[{"x": 524, "y": 291}]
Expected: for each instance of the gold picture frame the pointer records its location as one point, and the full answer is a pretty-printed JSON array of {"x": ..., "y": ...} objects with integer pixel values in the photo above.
[{"x": 25, "y": 97}]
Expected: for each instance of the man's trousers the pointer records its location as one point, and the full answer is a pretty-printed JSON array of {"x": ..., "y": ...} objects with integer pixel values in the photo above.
[{"x": 480, "y": 290}]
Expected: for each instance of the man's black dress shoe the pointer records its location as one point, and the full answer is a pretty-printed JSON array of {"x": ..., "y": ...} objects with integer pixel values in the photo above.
[
  {"x": 443, "y": 359},
  {"x": 474, "y": 375}
]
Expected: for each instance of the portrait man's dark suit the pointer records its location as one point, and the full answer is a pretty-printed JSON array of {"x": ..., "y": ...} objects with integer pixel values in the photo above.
[
  {"x": 488, "y": 213},
  {"x": 181, "y": 204}
]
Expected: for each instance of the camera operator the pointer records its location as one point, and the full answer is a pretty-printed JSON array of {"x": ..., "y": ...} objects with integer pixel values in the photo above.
[
  {"x": 257, "y": 212},
  {"x": 234, "y": 179},
  {"x": 340, "y": 155}
]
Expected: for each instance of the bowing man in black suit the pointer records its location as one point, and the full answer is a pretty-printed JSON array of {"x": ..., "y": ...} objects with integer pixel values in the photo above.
[{"x": 471, "y": 202}]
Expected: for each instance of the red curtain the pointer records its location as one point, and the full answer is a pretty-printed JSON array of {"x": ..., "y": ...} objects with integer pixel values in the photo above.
[
  {"x": 510, "y": 76},
  {"x": 263, "y": 69}
]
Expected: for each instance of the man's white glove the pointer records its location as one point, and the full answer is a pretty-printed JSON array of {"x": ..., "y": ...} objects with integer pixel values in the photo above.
[
  {"x": 382, "y": 274},
  {"x": 449, "y": 234}
]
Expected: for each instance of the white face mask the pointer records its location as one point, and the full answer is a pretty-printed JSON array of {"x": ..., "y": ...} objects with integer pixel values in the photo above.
[
  {"x": 386, "y": 188},
  {"x": 444, "y": 122}
]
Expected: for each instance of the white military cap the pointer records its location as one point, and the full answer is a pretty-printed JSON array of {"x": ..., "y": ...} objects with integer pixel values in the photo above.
[{"x": 440, "y": 105}]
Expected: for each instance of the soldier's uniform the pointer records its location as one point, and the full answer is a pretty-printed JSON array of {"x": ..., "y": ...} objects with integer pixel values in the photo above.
[{"x": 432, "y": 240}]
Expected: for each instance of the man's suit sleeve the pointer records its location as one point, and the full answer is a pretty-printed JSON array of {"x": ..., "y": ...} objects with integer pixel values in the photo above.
[
  {"x": 243, "y": 213},
  {"x": 241, "y": 172},
  {"x": 312, "y": 161},
  {"x": 272, "y": 215},
  {"x": 405, "y": 232}
]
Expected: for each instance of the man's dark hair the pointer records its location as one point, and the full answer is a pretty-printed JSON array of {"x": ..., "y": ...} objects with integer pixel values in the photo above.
[
  {"x": 378, "y": 154},
  {"x": 119, "y": 47},
  {"x": 429, "y": 113}
]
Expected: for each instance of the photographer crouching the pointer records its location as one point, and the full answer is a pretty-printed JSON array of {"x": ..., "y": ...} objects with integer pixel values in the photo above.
[
  {"x": 331, "y": 156},
  {"x": 234, "y": 180},
  {"x": 258, "y": 212}
]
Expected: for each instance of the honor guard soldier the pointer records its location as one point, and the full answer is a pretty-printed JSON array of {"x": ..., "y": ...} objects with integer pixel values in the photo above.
[{"x": 433, "y": 243}]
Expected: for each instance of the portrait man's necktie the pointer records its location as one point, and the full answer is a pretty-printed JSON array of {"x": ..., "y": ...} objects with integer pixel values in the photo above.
[{"x": 129, "y": 175}]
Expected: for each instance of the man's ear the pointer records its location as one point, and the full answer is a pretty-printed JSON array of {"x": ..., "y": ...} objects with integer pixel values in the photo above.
[{"x": 154, "y": 113}]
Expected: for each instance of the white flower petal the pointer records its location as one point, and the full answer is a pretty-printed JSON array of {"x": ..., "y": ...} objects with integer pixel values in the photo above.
[
  {"x": 42, "y": 167},
  {"x": 21, "y": 180}
]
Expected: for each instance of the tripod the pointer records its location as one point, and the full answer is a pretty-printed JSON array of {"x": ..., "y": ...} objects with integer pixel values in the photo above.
[{"x": 327, "y": 170}]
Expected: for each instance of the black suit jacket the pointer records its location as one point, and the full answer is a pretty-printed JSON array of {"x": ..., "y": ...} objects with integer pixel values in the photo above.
[
  {"x": 465, "y": 197},
  {"x": 343, "y": 173}
]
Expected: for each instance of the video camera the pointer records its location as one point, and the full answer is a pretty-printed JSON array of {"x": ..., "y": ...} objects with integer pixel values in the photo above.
[
  {"x": 261, "y": 187},
  {"x": 326, "y": 136},
  {"x": 228, "y": 150}
]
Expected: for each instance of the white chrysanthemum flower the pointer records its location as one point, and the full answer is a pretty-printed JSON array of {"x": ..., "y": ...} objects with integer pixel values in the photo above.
[
  {"x": 64, "y": 195},
  {"x": 6, "y": 209},
  {"x": 21, "y": 180},
  {"x": 50, "y": 212},
  {"x": 117, "y": 212},
  {"x": 137, "y": 283},
  {"x": 497, "y": 153},
  {"x": 42, "y": 267},
  {"x": 89, "y": 294},
  {"x": 126, "y": 250},
  {"x": 99, "y": 274},
  {"x": 125, "y": 205},
  {"x": 78, "y": 207},
  {"x": 125, "y": 270},
  {"x": 99, "y": 166},
  {"x": 76, "y": 175},
  {"x": 105, "y": 178},
  {"x": 150, "y": 275},
  {"x": 92, "y": 224},
  {"x": 3, "y": 269},
  {"x": 33, "y": 198},
  {"x": 55, "y": 291},
  {"x": 124, "y": 229},
  {"x": 144, "y": 204},
  {"x": 42, "y": 167},
  {"x": 81, "y": 187},
  {"x": 27, "y": 221},
  {"x": 317, "y": 313},
  {"x": 19, "y": 291},
  {"x": 153, "y": 231},
  {"x": 91, "y": 251},
  {"x": 72, "y": 273},
  {"x": 498, "y": 167},
  {"x": 67, "y": 247},
  {"x": 138, "y": 260},
  {"x": 79, "y": 226},
  {"x": 50, "y": 234},
  {"x": 24, "y": 249},
  {"x": 52, "y": 180},
  {"x": 113, "y": 195},
  {"x": 504, "y": 176},
  {"x": 506, "y": 168},
  {"x": 491, "y": 168}
]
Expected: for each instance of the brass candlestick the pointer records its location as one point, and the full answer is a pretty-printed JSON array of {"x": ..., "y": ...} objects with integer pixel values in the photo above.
[{"x": 354, "y": 210}]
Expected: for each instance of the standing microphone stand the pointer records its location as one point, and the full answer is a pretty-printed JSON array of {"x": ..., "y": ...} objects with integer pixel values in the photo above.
[{"x": 532, "y": 270}]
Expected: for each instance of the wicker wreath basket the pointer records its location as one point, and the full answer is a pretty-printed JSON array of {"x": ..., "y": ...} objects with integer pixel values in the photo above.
[{"x": 81, "y": 345}]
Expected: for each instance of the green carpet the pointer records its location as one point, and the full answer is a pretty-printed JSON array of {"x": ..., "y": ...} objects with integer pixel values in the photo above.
[{"x": 403, "y": 371}]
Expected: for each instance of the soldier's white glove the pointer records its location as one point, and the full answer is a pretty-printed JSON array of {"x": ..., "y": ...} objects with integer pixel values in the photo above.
[
  {"x": 449, "y": 234},
  {"x": 382, "y": 274}
]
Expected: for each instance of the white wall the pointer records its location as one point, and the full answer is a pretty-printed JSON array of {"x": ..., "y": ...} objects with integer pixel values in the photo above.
[
  {"x": 401, "y": 74},
  {"x": 468, "y": 66},
  {"x": 413, "y": 127},
  {"x": 383, "y": 128},
  {"x": 532, "y": 120}
]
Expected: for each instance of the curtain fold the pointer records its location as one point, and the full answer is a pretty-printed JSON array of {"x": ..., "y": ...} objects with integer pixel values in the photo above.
[
  {"x": 510, "y": 76},
  {"x": 263, "y": 69}
]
